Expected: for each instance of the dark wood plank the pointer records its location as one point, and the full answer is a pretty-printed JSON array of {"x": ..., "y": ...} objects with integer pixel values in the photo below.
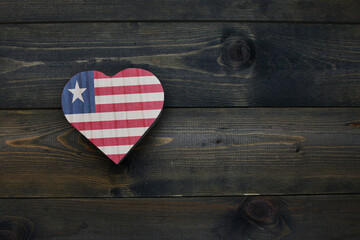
[
  {"x": 133, "y": 10},
  {"x": 190, "y": 152},
  {"x": 298, "y": 217},
  {"x": 199, "y": 64}
]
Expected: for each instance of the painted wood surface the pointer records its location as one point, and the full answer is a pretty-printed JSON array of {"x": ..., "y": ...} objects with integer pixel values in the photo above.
[
  {"x": 199, "y": 64},
  {"x": 113, "y": 113},
  {"x": 261, "y": 218},
  {"x": 183, "y": 10},
  {"x": 189, "y": 152}
]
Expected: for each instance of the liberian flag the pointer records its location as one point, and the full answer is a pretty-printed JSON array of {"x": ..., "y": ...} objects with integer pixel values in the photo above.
[{"x": 113, "y": 112}]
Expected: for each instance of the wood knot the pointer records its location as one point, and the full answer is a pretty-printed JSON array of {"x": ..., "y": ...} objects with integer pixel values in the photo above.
[
  {"x": 260, "y": 210},
  {"x": 16, "y": 228},
  {"x": 354, "y": 124},
  {"x": 237, "y": 53}
]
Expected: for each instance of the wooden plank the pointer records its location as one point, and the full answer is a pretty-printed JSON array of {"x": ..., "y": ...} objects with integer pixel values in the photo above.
[
  {"x": 199, "y": 64},
  {"x": 134, "y": 10},
  {"x": 293, "y": 217},
  {"x": 189, "y": 152}
]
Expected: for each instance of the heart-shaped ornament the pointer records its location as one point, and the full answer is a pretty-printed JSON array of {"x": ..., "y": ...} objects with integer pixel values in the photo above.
[{"x": 114, "y": 113}]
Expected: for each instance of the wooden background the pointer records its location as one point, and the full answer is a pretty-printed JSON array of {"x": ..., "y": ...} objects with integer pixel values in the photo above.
[{"x": 260, "y": 137}]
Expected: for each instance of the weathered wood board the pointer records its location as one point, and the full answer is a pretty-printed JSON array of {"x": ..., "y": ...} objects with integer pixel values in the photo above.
[
  {"x": 199, "y": 64},
  {"x": 209, "y": 151},
  {"x": 190, "y": 152},
  {"x": 203, "y": 10},
  {"x": 261, "y": 218}
]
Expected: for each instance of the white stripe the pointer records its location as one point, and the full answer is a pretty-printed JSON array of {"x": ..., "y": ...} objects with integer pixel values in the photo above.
[
  {"x": 125, "y": 81},
  {"x": 123, "y": 149},
  {"x": 129, "y": 98},
  {"x": 109, "y": 133},
  {"x": 109, "y": 116}
]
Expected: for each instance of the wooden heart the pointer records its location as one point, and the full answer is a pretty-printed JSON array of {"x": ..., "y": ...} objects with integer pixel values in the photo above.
[{"x": 113, "y": 112}]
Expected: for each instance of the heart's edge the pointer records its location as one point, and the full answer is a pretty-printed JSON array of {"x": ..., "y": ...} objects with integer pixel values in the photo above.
[
  {"x": 140, "y": 139},
  {"x": 126, "y": 69},
  {"x": 134, "y": 145}
]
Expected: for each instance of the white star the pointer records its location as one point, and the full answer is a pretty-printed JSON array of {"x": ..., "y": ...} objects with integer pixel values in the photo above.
[{"x": 77, "y": 91}]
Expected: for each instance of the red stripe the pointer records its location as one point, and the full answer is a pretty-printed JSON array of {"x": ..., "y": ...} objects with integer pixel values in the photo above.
[
  {"x": 130, "y": 72},
  {"x": 117, "y": 107},
  {"x": 115, "y": 141},
  {"x": 128, "y": 89},
  {"x": 116, "y": 157},
  {"x": 114, "y": 124}
]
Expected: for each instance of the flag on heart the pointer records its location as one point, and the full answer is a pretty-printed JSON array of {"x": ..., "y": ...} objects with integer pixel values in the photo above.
[{"x": 113, "y": 112}]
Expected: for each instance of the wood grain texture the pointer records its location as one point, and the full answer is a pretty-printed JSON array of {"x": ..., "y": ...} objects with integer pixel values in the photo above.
[
  {"x": 189, "y": 152},
  {"x": 261, "y": 218},
  {"x": 134, "y": 10},
  {"x": 199, "y": 64},
  {"x": 204, "y": 165}
]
